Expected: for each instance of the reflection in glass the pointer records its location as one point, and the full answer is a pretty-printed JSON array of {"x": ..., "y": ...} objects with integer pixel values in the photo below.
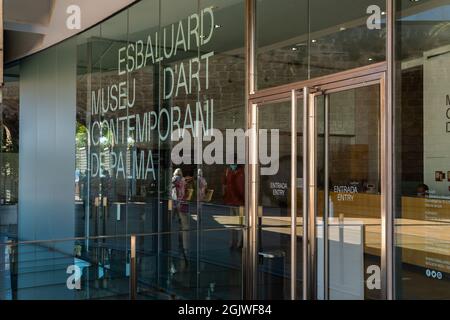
[
  {"x": 9, "y": 153},
  {"x": 303, "y": 39},
  {"x": 126, "y": 179},
  {"x": 422, "y": 198},
  {"x": 354, "y": 193},
  {"x": 274, "y": 231}
]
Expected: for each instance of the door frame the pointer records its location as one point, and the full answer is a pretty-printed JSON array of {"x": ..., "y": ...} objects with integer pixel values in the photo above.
[{"x": 308, "y": 90}]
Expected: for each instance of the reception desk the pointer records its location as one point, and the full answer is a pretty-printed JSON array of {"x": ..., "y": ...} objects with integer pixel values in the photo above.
[{"x": 422, "y": 233}]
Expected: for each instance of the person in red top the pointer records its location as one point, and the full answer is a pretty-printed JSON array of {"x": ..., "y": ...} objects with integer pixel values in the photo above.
[{"x": 233, "y": 183}]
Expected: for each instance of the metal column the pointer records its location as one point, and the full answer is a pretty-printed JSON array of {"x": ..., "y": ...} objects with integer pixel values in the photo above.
[
  {"x": 294, "y": 195},
  {"x": 250, "y": 236},
  {"x": 326, "y": 212},
  {"x": 306, "y": 264}
]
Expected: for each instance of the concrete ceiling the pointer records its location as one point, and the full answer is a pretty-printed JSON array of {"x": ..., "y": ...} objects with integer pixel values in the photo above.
[{"x": 33, "y": 25}]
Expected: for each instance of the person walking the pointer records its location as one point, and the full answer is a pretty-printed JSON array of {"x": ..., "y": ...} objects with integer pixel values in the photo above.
[{"x": 178, "y": 195}]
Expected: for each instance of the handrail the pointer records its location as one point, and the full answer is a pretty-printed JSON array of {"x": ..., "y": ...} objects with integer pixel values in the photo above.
[
  {"x": 27, "y": 242},
  {"x": 133, "y": 278}
]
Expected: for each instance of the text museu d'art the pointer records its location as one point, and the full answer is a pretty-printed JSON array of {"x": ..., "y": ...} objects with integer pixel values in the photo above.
[{"x": 110, "y": 103}]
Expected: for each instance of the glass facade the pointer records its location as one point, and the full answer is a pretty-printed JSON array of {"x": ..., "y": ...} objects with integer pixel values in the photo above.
[
  {"x": 299, "y": 40},
  {"x": 154, "y": 157},
  {"x": 9, "y": 162},
  {"x": 142, "y": 80},
  {"x": 422, "y": 247}
]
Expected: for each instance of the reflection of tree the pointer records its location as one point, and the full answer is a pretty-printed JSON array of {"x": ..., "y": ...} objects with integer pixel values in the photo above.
[
  {"x": 81, "y": 165},
  {"x": 9, "y": 167},
  {"x": 84, "y": 149},
  {"x": 81, "y": 142},
  {"x": 81, "y": 136},
  {"x": 7, "y": 140}
]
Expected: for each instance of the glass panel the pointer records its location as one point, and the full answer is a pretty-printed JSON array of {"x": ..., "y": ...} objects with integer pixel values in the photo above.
[
  {"x": 302, "y": 39},
  {"x": 274, "y": 230},
  {"x": 163, "y": 67},
  {"x": 9, "y": 153},
  {"x": 104, "y": 151},
  {"x": 133, "y": 80},
  {"x": 70, "y": 270},
  {"x": 221, "y": 269},
  {"x": 8, "y": 281},
  {"x": 63, "y": 270},
  {"x": 86, "y": 49},
  {"x": 320, "y": 123},
  {"x": 168, "y": 272},
  {"x": 345, "y": 35},
  {"x": 354, "y": 230},
  {"x": 220, "y": 186},
  {"x": 422, "y": 189},
  {"x": 278, "y": 59}
]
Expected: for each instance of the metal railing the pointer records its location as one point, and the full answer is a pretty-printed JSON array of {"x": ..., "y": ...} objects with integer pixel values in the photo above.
[{"x": 130, "y": 250}]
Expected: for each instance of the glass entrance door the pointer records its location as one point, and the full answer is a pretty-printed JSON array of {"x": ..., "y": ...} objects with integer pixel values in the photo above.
[
  {"x": 319, "y": 201},
  {"x": 279, "y": 272},
  {"x": 348, "y": 192}
]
